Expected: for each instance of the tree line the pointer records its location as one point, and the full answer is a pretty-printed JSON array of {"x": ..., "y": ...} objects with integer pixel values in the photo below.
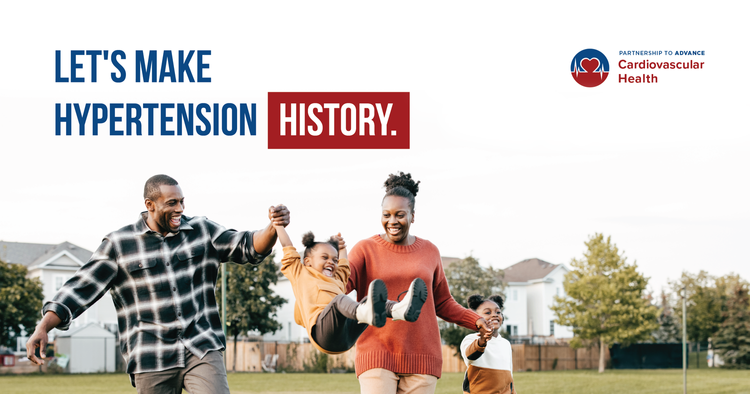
[{"x": 606, "y": 302}]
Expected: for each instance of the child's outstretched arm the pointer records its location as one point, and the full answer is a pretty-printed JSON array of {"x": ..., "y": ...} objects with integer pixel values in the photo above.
[
  {"x": 283, "y": 236},
  {"x": 485, "y": 337},
  {"x": 342, "y": 272},
  {"x": 472, "y": 347},
  {"x": 291, "y": 262},
  {"x": 342, "y": 246}
]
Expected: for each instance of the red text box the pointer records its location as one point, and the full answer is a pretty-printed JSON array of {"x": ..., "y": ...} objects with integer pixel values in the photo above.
[{"x": 338, "y": 120}]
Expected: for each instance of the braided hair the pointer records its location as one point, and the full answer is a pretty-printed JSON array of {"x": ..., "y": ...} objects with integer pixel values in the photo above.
[
  {"x": 308, "y": 240},
  {"x": 402, "y": 185}
]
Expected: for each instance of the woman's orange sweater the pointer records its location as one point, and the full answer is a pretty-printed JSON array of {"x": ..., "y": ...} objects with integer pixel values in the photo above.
[{"x": 401, "y": 346}]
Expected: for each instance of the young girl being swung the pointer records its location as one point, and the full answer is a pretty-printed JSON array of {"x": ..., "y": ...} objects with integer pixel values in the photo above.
[{"x": 334, "y": 321}]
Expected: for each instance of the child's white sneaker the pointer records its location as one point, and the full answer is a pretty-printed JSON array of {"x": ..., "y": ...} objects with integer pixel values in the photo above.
[
  {"x": 372, "y": 310},
  {"x": 409, "y": 308}
]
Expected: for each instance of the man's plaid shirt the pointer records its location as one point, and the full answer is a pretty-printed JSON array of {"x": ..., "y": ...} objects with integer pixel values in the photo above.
[{"x": 162, "y": 287}]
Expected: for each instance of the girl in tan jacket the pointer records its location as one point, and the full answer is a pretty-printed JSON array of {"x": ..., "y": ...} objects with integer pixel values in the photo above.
[{"x": 333, "y": 320}]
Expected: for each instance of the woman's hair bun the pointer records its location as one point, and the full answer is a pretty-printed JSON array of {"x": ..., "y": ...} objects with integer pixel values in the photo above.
[{"x": 403, "y": 180}]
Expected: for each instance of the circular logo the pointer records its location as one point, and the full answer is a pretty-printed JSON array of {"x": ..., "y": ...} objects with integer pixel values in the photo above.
[{"x": 589, "y": 68}]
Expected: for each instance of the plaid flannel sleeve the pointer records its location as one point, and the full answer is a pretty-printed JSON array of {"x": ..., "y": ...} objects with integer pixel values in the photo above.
[
  {"x": 86, "y": 287},
  {"x": 235, "y": 246}
]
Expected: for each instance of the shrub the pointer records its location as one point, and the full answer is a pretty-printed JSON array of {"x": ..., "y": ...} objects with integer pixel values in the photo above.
[{"x": 316, "y": 363}]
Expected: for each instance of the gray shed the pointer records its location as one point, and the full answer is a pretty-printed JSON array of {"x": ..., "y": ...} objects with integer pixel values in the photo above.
[{"x": 89, "y": 348}]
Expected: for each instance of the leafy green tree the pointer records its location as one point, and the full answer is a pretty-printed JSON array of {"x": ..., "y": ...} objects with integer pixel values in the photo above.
[
  {"x": 605, "y": 300},
  {"x": 706, "y": 302},
  {"x": 727, "y": 284},
  {"x": 251, "y": 304},
  {"x": 733, "y": 338},
  {"x": 20, "y": 302},
  {"x": 669, "y": 325},
  {"x": 466, "y": 277}
]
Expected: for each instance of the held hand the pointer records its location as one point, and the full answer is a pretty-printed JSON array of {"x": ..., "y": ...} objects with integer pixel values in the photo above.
[
  {"x": 37, "y": 340},
  {"x": 283, "y": 236},
  {"x": 342, "y": 246},
  {"x": 340, "y": 240},
  {"x": 483, "y": 326},
  {"x": 263, "y": 240},
  {"x": 279, "y": 215},
  {"x": 489, "y": 334},
  {"x": 485, "y": 336}
]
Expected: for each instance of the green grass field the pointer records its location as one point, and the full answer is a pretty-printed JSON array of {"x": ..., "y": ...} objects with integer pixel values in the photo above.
[{"x": 714, "y": 381}]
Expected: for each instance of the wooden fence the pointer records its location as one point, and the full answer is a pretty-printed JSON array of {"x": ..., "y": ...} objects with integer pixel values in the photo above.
[
  {"x": 558, "y": 357},
  {"x": 303, "y": 356},
  {"x": 23, "y": 367}
]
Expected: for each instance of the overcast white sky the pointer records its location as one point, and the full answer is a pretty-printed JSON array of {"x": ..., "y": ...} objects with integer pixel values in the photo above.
[{"x": 516, "y": 159}]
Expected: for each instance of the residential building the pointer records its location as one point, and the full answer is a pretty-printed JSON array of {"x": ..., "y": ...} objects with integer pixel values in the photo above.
[
  {"x": 290, "y": 331},
  {"x": 55, "y": 264},
  {"x": 531, "y": 286}
]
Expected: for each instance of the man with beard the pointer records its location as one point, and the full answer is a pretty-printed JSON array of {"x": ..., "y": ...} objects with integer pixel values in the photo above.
[{"x": 161, "y": 272}]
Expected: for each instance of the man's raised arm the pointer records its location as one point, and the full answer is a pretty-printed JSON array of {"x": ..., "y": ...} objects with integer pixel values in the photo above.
[{"x": 263, "y": 240}]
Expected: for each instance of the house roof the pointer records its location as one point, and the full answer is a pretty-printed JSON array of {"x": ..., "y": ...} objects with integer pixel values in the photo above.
[
  {"x": 30, "y": 254},
  {"x": 529, "y": 269},
  {"x": 448, "y": 260}
]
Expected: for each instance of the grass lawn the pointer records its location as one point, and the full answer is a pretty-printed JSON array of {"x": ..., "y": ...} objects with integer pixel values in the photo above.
[{"x": 714, "y": 381}]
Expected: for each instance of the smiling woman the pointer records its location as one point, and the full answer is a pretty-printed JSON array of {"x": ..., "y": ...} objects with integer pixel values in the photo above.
[
  {"x": 398, "y": 209},
  {"x": 389, "y": 359}
]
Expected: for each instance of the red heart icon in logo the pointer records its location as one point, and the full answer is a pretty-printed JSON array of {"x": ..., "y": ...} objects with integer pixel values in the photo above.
[{"x": 590, "y": 65}]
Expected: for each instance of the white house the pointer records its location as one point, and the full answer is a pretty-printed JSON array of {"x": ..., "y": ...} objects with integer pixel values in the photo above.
[
  {"x": 54, "y": 265},
  {"x": 530, "y": 289},
  {"x": 290, "y": 331}
]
